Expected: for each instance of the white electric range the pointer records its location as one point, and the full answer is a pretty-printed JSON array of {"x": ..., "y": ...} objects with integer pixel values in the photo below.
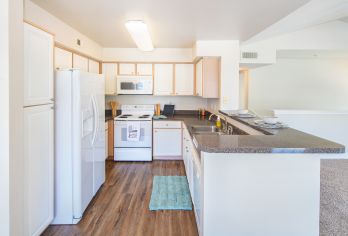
[{"x": 133, "y": 133}]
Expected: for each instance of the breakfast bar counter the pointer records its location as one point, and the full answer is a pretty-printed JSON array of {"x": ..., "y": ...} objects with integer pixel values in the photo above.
[
  {"x": 286, "y": 140},
  {"x": 267, "y": 179}
]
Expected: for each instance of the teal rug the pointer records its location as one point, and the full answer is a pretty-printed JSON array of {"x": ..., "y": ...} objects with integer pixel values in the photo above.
[{"x": 170, "y": 193}]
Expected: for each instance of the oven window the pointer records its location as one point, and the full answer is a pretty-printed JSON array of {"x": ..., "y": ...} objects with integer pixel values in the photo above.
[
  {"x": 127, "y": 86},
  {"x": 124, "y": 135}
]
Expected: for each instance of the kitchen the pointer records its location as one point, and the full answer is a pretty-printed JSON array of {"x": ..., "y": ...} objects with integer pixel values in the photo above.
[{"x": 200, "y": 115}]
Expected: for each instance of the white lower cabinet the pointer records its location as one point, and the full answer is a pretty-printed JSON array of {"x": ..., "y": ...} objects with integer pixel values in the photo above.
[
  {"x": 39, "y": 162},
  {"x": 187, "y": 157},
  {"x": 194, "y": 176},
  {"x": 197, "y": 186},
  {"x": 167, "y": 140}
]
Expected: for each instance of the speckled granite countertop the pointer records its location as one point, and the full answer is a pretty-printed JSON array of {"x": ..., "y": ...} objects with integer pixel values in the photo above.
[{"x": 276, "y": 141}]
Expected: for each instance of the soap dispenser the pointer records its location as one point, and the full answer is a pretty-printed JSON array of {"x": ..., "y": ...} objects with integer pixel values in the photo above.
[{"x": 218, "y": 122}]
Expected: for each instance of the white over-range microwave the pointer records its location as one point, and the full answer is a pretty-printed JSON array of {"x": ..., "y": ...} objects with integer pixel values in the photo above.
[{"x": 134, "y": 85}]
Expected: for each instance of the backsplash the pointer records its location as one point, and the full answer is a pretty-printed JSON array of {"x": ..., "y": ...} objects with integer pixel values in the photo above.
[{"x": 180, "y": 102}]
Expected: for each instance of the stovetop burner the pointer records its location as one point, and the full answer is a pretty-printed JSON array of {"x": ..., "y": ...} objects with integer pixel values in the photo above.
[
  {"x": 144, "y": 116},
  {"x": 125, "y": 116}
]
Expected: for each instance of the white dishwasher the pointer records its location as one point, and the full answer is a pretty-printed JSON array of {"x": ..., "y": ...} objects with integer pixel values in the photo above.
[{"x": 167, "y": 140}]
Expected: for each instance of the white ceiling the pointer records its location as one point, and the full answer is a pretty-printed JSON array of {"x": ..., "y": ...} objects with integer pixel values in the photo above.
[
  {"x": 172, "y": 23},
  {"x": 311, "y": 14}
]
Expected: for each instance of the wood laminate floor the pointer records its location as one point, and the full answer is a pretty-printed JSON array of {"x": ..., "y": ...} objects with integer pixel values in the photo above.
[{"x": 121, "y": 207}]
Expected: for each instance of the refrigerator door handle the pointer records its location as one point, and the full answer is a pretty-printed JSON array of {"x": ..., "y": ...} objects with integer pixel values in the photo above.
[{"x": 95, "y": 120}]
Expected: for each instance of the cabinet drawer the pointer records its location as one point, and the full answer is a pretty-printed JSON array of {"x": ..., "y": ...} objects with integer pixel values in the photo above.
[{"x": 167, "y": 124}]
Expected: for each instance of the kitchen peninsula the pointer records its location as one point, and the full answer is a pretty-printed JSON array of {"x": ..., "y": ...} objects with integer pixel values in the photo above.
[{"x": 266, "y": 179}]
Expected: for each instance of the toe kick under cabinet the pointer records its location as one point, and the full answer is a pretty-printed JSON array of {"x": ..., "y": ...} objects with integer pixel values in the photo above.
[{"x": 167, "y": 140}]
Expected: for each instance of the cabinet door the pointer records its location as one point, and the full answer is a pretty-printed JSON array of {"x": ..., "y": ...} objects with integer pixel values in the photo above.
[
  {"x": 197, "y": 188},
  {"x": 62, "y": 58},
  {"x": 211, "y": 77},
  {"x": 80, "y": 62},
  {"x": 93, "y": 66},
  {"x": 163, "y": 77},
  {"x": 184, "y": 79},
  {"x": 110, "y": 72},
  {"x": 199, "y": 78},
  {"x": 38, "y": 66},
  {"x": 167, "y": 142},
  {"x": 39, "y": 162},
  {"x": 127, "y": 69},
  {"x": 144, "y": 69}
]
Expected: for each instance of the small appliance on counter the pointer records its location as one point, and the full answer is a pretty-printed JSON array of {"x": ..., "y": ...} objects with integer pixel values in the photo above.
[{"x": 168, "y": 110}]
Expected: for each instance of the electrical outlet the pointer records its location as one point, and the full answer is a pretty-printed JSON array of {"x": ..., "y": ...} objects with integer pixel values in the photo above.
[{"x": 225, "y": 100}]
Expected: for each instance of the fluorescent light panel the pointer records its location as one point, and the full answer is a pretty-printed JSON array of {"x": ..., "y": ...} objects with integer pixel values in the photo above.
[{"x": 140, "y": 34}]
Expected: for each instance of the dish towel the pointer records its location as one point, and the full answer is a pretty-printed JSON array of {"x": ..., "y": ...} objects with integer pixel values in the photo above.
[{"x": 133, "y": 131}]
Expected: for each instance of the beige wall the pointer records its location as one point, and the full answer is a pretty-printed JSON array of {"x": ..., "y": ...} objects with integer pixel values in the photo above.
[
  {"x": 180, "y": 102},
  {"x": 11, "y": 119},
  {"x": 319, "y": 84},
  {"x": 64, "y": 34},
  {"x": 228, "y": 50},
  {"x": 4, "y": 122},
  {"x": 159, "y": 54}
]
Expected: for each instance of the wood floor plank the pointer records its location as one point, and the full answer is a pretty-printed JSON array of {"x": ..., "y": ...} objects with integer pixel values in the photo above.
[{"x": 121, "y": 207}]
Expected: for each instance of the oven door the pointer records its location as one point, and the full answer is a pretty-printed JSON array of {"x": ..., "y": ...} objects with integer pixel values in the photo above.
[{"x": 120, "y": 135}]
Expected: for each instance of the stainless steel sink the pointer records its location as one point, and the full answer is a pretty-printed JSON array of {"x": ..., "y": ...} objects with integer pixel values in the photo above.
[{"x": 206, "y": 130}]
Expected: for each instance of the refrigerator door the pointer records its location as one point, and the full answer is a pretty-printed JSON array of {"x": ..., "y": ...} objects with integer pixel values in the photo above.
[
  {"x": 84, "y": 126},
  {"x": 99, "y": 141}
]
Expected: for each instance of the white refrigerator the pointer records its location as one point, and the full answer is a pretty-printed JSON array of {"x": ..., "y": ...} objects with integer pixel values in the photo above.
[{"x": 79, "y": 142}]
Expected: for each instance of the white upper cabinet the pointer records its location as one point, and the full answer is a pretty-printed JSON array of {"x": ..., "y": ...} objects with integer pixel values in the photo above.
[
  {"x": 127, "y": 69},
  {"x": 144, "y": 69},
  {"x": 38, "y": 66},
  {"x": 80, "y": 62},
  {"x": 110, "y": 72},
  {"x": 163, "y": 76},
  {"x": 184, "y": 79},
  {"x": 93, "y": 66},
  {"x": 208, "y": 77},
  {"x": 62, "y": 58},
  {"x": 199, "y": 78}
]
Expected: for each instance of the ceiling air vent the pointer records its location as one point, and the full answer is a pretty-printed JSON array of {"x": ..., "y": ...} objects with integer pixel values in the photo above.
[{"x": 249, "y": 55}]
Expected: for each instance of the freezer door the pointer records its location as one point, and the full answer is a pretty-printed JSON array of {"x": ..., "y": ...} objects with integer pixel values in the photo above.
[
  {"x": 99, "y": 141},
  {"x": 83, "y": 116}
]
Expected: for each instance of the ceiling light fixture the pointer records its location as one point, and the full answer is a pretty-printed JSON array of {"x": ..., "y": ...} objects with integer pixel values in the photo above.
[{"x": 140, "y": 34}]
